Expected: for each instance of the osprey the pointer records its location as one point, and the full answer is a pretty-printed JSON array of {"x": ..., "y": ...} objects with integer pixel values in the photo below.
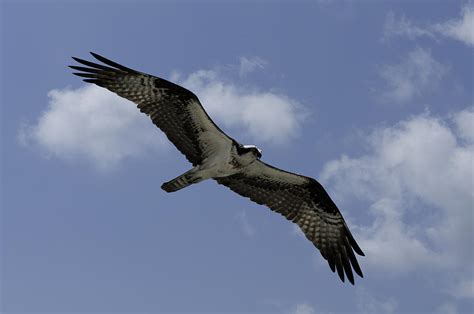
[{"x": 214, "y": 155}]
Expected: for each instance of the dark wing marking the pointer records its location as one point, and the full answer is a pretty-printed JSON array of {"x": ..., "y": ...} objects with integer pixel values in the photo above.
[
  {"x": 174, "y": 109},
  {"x": 305, "y": 202}
]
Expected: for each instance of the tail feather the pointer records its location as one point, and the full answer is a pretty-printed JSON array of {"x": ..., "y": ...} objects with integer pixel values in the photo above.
[{"x": 179, "y": 183}]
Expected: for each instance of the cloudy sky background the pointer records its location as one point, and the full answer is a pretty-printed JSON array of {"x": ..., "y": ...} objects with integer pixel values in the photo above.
[{"x": 375, "y": 100}]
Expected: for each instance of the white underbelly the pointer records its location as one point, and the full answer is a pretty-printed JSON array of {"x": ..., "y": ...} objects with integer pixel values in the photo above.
[
  {"x": 224, "y": 163},
  {"x": 217, "y": 167}
]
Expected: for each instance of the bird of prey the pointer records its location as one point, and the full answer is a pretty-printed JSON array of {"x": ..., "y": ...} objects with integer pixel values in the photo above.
[{"x": 215, "y": 155}]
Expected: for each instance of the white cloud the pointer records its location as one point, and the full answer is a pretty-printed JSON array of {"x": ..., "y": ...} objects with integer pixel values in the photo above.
[
  {"x": 263, "y": 116},
  {"x": 390, "y": 244},
  {"x": 94, "y": 125},
  {"x": 465, "y": 124},
  {"x": 461, "y": 29},
  {"x": 418, "y": 73},
  {"x": 418, "y": 180},
  {"x": 369, "y": 304}
]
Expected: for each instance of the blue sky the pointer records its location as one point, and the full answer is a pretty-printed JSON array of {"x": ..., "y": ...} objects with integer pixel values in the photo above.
[{"x": 373, "y": 99}]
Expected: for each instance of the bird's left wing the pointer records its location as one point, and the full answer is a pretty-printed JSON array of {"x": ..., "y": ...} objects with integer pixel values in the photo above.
[
  {"x": 305, "y": 202},
  {"x": 174, "y": 109}
]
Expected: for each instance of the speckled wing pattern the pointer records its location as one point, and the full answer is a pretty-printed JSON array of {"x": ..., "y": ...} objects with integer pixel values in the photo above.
[
  {"x": 179, "y": 114},
  {"x": 305, "y": 202},
  {"x": 174, "y": 109}
]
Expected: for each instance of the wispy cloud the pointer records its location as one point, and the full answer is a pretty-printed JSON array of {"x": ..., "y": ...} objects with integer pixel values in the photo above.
[
  {"x": 307, "y": 308},
  {"x": 91, "y": 124},
  {"x": 247, "y": 228},
  {"x": 417, "y": 181},
  {"x": 367, "y": 303},
  {"x": 463, "y": 289},
  {"x": 461, "y": 28},
  {"x": 403, "y": 27},
  {"x": 303, "y": 308},
  {"x": 447, "y": 308},
  {"x": 250, "y": 64},
  {"x": 416, "y": 74}
]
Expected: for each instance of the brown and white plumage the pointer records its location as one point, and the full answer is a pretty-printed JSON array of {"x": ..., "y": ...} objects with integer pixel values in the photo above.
[
  {"x": 179, "y": 114},
  {"x": 305, "y": 202},
  {"x": 172, "y": 108}
]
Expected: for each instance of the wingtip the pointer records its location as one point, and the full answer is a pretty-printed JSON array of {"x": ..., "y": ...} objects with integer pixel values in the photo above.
[
  {"x": 354, "y": 244},
  {"x": 343, "y": 279},
  {"x": 75, "y": 67},
  {"x": 351, "y": 280},
  {"x": 357, "y": 269},
  {"x": 79, "y": 60},
  {"x": 95, "y": 55}
]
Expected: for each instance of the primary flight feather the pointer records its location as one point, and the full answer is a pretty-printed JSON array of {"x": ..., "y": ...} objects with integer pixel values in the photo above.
[{"x": 214, "y": 155}]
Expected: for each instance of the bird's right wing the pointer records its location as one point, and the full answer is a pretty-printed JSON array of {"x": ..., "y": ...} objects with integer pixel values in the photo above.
[
  {"x": 174, "y": 109},
  {"x": 305, "y": 202}
]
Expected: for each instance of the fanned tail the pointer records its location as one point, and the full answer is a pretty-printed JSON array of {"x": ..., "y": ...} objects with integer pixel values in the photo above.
[{"x": 181, "y": 182}]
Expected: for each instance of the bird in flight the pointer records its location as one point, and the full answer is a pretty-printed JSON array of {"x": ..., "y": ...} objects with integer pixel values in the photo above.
[{"x": 215, "y": 155}]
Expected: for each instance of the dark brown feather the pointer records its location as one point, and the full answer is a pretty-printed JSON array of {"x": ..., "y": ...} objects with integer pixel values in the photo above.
[
  {"x": 305, "y": 202},
  {"x": 179, "y": 114},
  {"x": 174, "y": 109}
]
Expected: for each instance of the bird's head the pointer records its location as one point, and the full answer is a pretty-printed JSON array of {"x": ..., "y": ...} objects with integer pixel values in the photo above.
[{"x": 257, "y": 152}]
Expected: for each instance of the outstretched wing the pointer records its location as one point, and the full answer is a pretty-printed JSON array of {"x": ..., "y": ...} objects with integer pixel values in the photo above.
[
  {"x": 305, "y": 202},
  {"x": 174, "y": 109}
]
